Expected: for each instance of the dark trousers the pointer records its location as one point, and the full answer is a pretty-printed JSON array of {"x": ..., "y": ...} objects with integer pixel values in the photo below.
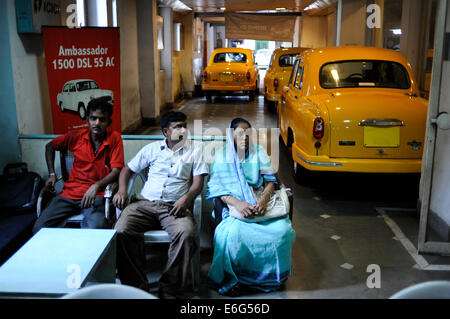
[
  {"x": 61, "y": 208},
  {"x": 144, "y": 215}
]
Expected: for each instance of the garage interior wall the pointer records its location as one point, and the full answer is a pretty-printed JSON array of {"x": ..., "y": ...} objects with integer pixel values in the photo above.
[
  {"x": 129, "y": 65},
  {"x": 9, "y": 152}
]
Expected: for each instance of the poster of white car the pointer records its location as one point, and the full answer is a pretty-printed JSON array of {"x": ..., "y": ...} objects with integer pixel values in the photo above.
[{"x": 76, "y": 95}]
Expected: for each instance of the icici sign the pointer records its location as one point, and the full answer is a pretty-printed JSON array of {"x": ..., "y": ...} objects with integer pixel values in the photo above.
[{"x": 50, "y": 7}]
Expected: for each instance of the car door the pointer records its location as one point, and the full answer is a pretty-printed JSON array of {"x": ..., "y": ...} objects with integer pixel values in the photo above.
[
  {"x": 293, "y": 98},
  {"x": 286, "y": 102}
]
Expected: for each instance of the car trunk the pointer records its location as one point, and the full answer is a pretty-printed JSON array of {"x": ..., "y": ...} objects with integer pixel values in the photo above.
[
  {"x": 375, "y": 123},
  {"x": 230, "y": 74}
]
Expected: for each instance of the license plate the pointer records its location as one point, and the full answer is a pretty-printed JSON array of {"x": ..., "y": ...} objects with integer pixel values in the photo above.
[
  {"x": 226, "y": 77},
  {"x": 381, "y": 136}
]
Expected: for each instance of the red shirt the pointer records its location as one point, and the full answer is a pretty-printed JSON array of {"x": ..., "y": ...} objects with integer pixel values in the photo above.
[{"x": 89, "y": 168}]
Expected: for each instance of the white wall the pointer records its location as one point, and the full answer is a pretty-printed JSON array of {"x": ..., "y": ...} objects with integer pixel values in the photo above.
[{"x": 30, "y": 79}]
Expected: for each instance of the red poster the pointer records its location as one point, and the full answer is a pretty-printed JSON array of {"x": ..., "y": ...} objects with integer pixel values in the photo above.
[{"x": 82, "y": 64}]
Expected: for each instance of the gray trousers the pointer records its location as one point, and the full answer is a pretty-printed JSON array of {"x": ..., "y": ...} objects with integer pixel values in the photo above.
[
  {"x": 144, "y": 215},
  {"x": 61, "y": 208}
]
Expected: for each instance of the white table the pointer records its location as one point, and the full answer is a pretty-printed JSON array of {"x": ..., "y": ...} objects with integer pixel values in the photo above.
[{"x": 57, "y": 261}]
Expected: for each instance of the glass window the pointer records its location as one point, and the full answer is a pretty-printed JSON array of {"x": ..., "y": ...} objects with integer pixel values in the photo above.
[
  {"x": 230, "y": 57},
  {"x": 299, "y": 77},
  {"x": 364, "y": 73},
  {"x": 293, "y": 73},
  {"x": 86, "y": 85},
  {"x": 287, "y": 60}
]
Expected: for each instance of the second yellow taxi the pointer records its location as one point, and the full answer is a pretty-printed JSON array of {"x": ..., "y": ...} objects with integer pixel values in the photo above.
[
  {"x": 231, "y": 71},
  {"x": 278, "y": 73}
]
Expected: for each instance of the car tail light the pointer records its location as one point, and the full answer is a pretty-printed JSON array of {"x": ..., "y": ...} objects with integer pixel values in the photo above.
[
  {"x": 205, "y": 76},
  {"x": 248, "y": 76},
  {"x": 318, "y": 128},
  {"x": 275, "y": 83}
]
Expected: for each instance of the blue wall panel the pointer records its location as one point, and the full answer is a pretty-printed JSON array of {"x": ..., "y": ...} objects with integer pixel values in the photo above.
[{"x": 9, "y": 144}]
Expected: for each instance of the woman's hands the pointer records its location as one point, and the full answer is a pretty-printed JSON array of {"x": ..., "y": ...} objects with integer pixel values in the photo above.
[
  {"x": 250, "y": 211},
  {"x": 261, "y": 206},
  {"x": 246, "y": 209}
]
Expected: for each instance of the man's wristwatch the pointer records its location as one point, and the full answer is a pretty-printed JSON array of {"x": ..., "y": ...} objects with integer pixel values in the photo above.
[{"x": 51, "y": 174}]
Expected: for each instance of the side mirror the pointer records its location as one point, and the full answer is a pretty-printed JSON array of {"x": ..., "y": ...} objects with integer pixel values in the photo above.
[{"x": 285, "y": 89}]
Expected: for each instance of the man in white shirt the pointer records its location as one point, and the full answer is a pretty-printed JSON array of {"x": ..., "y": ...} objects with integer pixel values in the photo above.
[{"x": 175, "y": 177}]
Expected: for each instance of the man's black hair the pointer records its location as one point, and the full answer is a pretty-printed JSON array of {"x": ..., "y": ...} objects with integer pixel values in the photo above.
[
  {"x": 102, "y": 104},
  {"x": 171, "y": 117},
  {"x": 238, "y": 120}
]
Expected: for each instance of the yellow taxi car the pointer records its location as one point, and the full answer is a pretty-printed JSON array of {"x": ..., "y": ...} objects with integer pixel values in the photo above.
[
  {"x": 353, "y": 109},
  {"x": 231, "y": 71},
  {"x": 278, "y": 73}
]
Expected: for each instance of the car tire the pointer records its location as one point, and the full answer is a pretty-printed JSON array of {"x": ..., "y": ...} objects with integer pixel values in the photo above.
[
  {"x": 251, "y": 96},
  {"x": 82, "y": 111},
  {"x": 208, "y": 97},
  {"x": 301, "y": 174}
]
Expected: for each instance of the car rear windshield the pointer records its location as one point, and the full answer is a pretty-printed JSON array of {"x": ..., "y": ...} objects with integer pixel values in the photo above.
[
  {"x": 86, "y": 85},
  {"x": 230, "y": 57},
  {"x": 287, "y": 60},
  {"x": 364, "y": 73}
]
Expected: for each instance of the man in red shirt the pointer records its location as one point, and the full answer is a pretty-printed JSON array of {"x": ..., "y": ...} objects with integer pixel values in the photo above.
[{"x": 98, "y": 159}]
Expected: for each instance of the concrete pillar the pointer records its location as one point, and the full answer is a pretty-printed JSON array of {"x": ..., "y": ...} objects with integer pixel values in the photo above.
[
  {"x": 337, "y": 36},
  {"x": 353, "y": 23},
  {"x": 297, "y": 32},
  {"x": 167, "y": 53},
  {"x": 96, "y": 13},
  {"x": 377, "y": 35},
  {"x": 411, "y": 31},
  {"x": 129, "y": 66},
  {"x": 434, "y": 185},
  {"x": 148, "y": 57}
]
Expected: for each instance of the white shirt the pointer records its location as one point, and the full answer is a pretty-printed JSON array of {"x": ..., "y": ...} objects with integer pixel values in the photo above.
[{"x": 169, "y": 173}]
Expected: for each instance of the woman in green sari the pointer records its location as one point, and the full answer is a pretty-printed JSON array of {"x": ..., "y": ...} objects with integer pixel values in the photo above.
[{"x": 252, "y": 254}]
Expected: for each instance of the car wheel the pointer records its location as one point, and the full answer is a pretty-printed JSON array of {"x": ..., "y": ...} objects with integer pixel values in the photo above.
[
  {"x": 301, "y": 174},
  {"x": 251, "y": 96},
  {"x": 208, "y": 97},
  {"x": 82, "y": 111}
]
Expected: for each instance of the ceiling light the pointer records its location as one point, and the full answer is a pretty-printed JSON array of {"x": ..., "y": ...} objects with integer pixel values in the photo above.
[
  {"x": 279, "y": 9},
  {"x": 223, "y": 8},
  {"x": 396, "y": 31}
]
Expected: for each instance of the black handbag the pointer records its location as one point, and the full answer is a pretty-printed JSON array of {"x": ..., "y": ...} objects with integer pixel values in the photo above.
[{"x": 19, "y": 189}]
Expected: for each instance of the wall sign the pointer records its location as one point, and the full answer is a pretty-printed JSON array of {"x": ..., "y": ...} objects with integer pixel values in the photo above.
[
  {"x": 33, "y": 14},
  {"x": 259, "y": 27},
  {"x": 82, "y": 64}
]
